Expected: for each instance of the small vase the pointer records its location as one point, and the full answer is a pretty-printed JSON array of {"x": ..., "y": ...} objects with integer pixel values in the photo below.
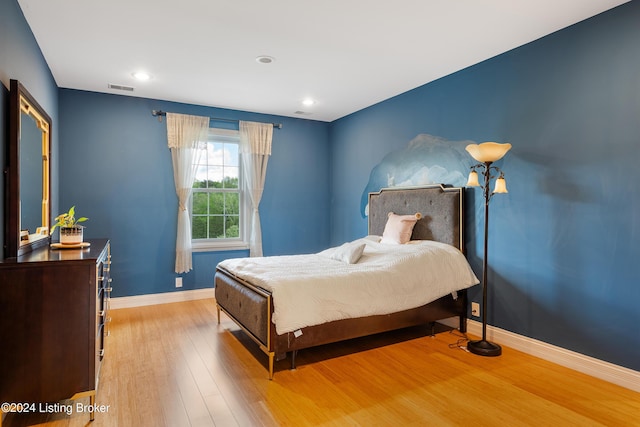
[{"x": 71, "y": 235}]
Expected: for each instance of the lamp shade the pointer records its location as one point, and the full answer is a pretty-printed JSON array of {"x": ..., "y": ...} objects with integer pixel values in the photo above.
[
  {"x": 488, "y": 151},
  {"x": 501, "y": 186},
  {"x": 473, "y": 179}
]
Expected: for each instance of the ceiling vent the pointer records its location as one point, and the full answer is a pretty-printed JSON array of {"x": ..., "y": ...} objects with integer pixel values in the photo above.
[{"x": 121, "y": 87}]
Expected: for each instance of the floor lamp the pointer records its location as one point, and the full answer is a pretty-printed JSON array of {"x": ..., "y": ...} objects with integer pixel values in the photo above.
[{"x": 486, "y": 153}]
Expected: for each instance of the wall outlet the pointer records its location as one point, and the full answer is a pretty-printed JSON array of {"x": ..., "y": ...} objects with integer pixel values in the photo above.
[
  {"x": 475, "y": 309},
  {"x": 178, "y": 282}
]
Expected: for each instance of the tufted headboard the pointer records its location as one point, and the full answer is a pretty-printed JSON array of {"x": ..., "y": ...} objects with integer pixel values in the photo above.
[{"x": 441, "y": 208}]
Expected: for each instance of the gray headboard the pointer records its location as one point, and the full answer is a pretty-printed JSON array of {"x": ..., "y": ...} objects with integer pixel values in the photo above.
[{"x": 441, "y": 210}]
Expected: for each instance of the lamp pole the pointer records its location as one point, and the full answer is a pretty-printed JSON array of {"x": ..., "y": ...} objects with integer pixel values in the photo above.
[
  {"x": 486, "y": 153},
  {"x": 483, "y": 347}
]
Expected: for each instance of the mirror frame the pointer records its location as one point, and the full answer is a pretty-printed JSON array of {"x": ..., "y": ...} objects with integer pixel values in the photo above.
[{"x": 20, "y": 100}]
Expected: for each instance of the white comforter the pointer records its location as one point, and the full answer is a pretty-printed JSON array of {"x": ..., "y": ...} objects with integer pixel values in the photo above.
[{"x": 313, "y": 289}]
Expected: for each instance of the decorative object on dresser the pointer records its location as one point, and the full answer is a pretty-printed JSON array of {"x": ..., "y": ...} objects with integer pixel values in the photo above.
[
  {"x": 486, "y": 153},
  {"x": 54, "y": 308},
  {"x": 70, "y": 232},
  {"x": 251, "y": 306}
]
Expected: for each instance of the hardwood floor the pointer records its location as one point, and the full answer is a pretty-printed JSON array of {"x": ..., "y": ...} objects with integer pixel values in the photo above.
[{"x": 173, "y": 365}]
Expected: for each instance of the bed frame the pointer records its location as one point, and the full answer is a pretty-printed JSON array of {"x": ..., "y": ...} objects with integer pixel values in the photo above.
[{"x": 250, "y": 306}]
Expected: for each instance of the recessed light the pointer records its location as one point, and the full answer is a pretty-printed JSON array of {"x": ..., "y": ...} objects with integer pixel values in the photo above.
[
  {"x": 141, "y": 75},
  {"x": 308, "y": 102},
  {"x": 264, "y": 59}
]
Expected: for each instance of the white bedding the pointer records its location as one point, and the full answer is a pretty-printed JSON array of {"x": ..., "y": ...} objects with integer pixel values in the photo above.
[{"x": 313, "y": 289}]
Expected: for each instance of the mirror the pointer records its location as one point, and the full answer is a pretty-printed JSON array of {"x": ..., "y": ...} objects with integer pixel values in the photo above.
[{"x": 28, "y": 174}]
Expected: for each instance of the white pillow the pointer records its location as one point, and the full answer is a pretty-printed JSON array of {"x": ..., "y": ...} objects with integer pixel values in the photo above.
[
  {"x": 398, "y": 228},
  {"x": 349, "y": 253}
]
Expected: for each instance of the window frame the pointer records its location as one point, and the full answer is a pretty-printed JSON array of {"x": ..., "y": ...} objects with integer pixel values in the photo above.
[{"x": 228, "y": 136}]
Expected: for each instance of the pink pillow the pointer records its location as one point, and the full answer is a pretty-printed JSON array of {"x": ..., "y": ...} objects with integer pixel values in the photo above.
[{"x": 399, "y": 228}]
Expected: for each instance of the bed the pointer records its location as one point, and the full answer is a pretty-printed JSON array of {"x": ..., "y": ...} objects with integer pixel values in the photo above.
[{"x": 250, "y": 304}]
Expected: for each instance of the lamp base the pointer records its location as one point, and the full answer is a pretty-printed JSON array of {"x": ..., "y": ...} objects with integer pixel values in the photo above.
[{"x": 484, "y": 348}]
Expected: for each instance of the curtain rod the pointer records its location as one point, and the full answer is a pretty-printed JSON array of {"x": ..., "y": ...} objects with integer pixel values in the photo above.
[{"x": 159, "y": 114}]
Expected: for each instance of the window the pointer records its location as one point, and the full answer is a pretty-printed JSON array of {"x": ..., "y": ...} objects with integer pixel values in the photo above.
[{"x": 217, "y": 214}]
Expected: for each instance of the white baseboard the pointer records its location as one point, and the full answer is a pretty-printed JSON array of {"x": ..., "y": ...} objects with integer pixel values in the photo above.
[
  {"x": 163, "y": 298},
  {"x": 606, "y": 371}
]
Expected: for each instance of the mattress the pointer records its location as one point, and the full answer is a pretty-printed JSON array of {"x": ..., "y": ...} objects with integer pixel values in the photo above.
[{"x": 312, "y": 289}]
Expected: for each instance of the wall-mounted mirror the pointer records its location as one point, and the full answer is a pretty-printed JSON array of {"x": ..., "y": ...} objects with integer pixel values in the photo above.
[{"x": 28, "y": 189}]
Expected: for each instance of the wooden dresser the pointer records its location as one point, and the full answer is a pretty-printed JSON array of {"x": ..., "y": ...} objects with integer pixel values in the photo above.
[{"x": 54, "y": 307}]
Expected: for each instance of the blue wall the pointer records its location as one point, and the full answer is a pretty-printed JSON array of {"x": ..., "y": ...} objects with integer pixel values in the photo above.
[
  {"x": 116, "y": 168},
  {"x": 21, "y": 59},
  {"x": 563, "y": 242}
]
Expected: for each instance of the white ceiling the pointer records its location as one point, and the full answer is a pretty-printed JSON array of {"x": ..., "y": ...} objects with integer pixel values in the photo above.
[{"x": 346, "y": 54}]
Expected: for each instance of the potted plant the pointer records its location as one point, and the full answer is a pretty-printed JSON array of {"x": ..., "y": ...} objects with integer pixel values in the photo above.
[{"x": 70, "y": 231}]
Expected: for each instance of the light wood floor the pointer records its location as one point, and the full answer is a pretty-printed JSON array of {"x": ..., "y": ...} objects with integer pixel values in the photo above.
[{"x": 173, "y": 365}]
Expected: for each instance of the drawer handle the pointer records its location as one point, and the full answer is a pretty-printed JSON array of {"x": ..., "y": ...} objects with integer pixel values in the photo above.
[{"x": 101, "y": 352}]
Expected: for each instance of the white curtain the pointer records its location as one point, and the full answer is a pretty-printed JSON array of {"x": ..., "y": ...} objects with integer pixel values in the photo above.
[
  {"x": 255, "y": 149},
  {"x": 185, "y": 134}
]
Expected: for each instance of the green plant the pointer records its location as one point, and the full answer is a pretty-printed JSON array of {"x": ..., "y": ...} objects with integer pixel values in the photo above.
[{"x": 68, "y": 219}]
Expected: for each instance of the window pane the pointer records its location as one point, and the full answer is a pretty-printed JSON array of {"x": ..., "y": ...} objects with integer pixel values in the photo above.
[
  {"x": 232, "y": 157},
  {"x": 233, "y": 226},
  {"x": 232, "y": 206},
  {"x": 216, "y": 227},
  {"x": 199, "y": 227},
  {"x": 216, "y": 203},
  {"x": 215, "y": 175},
  {"x": 199, "y": 203},
  {"x": 230, "y": 177},
  {"x": 216, "y": 154},
  {"x": 201, "y": 178}
]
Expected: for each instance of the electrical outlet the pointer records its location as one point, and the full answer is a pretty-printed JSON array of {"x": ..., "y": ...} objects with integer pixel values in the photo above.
[
  {"x": 178, "y": 282},
  {"x": 475, "y": 309}
]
